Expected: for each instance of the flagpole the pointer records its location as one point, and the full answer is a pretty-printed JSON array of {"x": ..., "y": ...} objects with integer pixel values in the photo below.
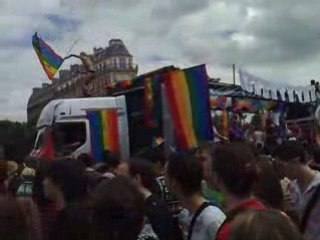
[
  {"x": 234, "y": 73},
  {"x": 72, "y": 46}
]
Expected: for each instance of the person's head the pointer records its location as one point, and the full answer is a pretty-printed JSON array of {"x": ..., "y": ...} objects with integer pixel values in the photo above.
[
  {"x": 112, "y": 160},
  {"x": 184, "y": 175},
  {"x": 293, "y": 158},
  {"x": 263, "y": 225},
  {"x": 65, "y": 178},
  {"x": 13, "y": 222},
  {"x": 83, "y": 54},
  {"x": 204, "y": 156},
  {"x": 142, "y": 173},
  {"x": 154, "y": 156},
  {"x": 122, "y": 169},
  {"x": 268, "y": 188},
  {"x": 118, "y": 209},
  {"x": 234, "y": 169},
  {"x": 86, "y": 159},
  {"x": 100, "y": 167}
]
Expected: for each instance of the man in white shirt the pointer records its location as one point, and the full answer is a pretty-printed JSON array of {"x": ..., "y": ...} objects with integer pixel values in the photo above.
[
  {"x": 200, "y": 220},
  {"x": 305, "y": 187}
]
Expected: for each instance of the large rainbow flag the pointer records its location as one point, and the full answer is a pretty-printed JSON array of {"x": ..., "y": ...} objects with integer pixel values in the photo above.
[
  {"x": 49, "y": 60},
  {"x": 104, "y": 132},
  {"x": 187, "y": 92}
]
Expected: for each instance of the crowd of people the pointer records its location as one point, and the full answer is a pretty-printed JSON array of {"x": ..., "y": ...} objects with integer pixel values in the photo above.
[{"x": 222, "y": 191}]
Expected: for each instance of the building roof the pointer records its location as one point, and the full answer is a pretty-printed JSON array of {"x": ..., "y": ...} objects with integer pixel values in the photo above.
[
  {"x": 116, "y": 48},
  {"x": 40, "y": 93}
]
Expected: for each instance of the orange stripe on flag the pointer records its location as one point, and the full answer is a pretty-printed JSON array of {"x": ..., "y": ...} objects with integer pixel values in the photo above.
[{"x": 113, "y": 130}]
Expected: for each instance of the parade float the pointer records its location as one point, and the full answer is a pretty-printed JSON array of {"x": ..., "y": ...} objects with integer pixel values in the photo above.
[{"x": 282, "y": 111}]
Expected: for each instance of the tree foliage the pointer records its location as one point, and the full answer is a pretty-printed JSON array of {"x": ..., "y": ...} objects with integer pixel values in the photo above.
[{"x": 16, "y": 139}]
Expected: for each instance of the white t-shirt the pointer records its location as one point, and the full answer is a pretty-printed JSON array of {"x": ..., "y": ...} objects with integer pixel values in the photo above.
[{"x": 207, "y": 223}]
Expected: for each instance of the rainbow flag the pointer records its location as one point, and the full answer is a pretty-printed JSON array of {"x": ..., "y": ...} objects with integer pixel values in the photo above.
[
  {"x": 157, "y": 141},
  {"x": 49, "y": 60},
  {"x": 104, "y": 131},
  {"x": 187, "y": 93}
]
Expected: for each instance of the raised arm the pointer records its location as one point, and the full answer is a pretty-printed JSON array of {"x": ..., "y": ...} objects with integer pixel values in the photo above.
[{"x": 72, "y": 55}]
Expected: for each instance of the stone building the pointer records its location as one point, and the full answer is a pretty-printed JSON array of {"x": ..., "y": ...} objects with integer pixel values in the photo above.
[
  {"x": 112, "y": 64},
  {"x": 39, "y": 98}
]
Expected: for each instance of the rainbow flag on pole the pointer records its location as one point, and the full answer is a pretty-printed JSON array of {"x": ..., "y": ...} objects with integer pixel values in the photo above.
[
  {"x": 49, "y": 60},
  {"x": 187, "y": 93},
  {"x": 104, "y": 131}
]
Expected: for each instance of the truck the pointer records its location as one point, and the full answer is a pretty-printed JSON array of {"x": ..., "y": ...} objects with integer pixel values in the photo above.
[{"x": 69, "y": 128}]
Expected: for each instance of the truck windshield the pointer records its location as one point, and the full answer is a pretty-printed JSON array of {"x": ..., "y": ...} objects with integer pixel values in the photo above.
[{"x": 68, "y": 136}]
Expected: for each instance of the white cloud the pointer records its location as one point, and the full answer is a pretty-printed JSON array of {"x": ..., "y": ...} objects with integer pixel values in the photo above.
[{"x": 275, "y": 39}]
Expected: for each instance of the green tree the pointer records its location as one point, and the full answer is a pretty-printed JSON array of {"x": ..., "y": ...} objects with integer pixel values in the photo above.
[{"x": 16, "y": 139}]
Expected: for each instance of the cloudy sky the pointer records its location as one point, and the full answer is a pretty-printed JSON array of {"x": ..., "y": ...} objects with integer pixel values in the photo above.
[{"x": 276, "y": 40}]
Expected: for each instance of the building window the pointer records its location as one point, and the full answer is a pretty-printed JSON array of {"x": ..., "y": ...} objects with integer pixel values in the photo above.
[
  {"x": 122, "y": 62},
  {"x": 115, "y": 65},
  {"x": 130, "y": 62}
]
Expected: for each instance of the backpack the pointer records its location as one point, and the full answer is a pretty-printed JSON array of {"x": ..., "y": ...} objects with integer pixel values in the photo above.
[{"x": 163, "y": 193}]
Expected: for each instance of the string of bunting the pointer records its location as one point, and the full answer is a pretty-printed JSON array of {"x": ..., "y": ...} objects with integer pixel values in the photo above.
[{"x": 275, "y": 90}]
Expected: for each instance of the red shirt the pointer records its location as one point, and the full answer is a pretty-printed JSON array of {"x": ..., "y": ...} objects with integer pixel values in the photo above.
[{"x": 224, "y": 231}]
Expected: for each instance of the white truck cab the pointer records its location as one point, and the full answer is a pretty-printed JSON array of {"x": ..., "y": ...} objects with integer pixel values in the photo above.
[{"x": 70, "y": 131}]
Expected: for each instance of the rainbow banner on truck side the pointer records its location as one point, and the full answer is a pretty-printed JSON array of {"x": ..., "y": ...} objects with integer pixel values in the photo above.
[{"x": 104, "y": 132}]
